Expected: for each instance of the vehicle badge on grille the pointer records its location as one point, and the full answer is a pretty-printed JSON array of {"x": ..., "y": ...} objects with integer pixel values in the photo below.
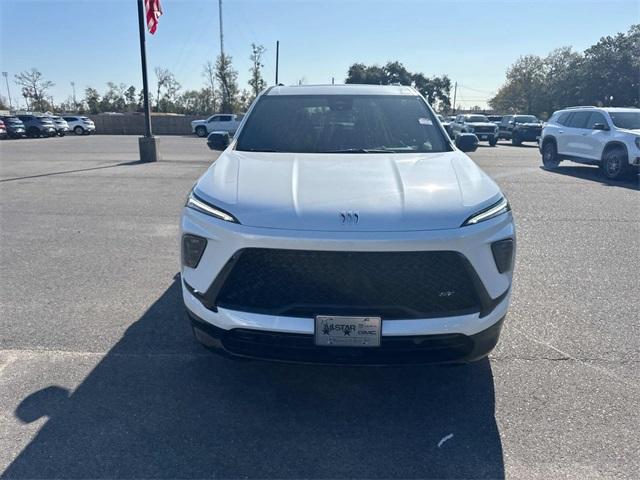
[{"x": 349, "y": 217}]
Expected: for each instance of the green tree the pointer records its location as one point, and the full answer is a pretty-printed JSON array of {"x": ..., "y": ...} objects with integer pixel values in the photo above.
[
  {"x": 228, "y": 81},
  {"x": 435, "y": 89},
  {"x": 92, "y": 99}
]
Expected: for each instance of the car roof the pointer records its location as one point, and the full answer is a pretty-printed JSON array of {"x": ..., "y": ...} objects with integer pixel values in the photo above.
[
  {"x": 600, "y": 109},
  {"x": 351, "y": 89}
]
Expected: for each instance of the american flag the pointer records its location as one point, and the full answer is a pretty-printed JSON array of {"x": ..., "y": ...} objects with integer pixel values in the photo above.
[{"x": 154, "y": 10}]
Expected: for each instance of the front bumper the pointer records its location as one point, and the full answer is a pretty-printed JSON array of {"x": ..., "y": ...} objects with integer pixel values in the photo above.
[
  {"x": 225, "y": 239},
  {"x": 300, "y": 348},
  {"x": 528, "y": 135},
  {"x": 486, "y": 136}
]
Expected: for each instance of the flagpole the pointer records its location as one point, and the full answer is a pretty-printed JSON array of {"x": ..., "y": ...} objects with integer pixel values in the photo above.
[{"x": 147, "y": 144}]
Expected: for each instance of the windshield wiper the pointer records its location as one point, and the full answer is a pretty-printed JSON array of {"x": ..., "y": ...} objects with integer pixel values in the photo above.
[{"x": 359, "y": 150}]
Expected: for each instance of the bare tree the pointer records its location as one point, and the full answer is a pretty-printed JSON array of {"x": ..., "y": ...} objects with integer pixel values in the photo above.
[
  {"x": 165, "y": 81},
  {"x": 209, "y": 74},
  {"x": 34, "y": 88},
  {"x": 256, "y": 82}
]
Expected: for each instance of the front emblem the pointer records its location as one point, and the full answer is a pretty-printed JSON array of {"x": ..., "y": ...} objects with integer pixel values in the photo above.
[{"x": 349, "y": 217}]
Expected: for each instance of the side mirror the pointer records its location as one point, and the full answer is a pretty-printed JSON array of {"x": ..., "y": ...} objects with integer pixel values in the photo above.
[
  {"x": 467, "y": 142},
  {"x": 218, "y": 140},
  {"x": 600, "y": 126}
]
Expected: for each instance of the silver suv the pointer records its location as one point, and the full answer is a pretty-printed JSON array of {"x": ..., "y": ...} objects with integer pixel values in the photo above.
[{"x": 608, "y": 137}]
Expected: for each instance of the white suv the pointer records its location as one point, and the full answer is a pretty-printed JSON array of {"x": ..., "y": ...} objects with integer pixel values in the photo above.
[
  {"x": 341, "y": 225},
  {"x": 216, "y": 123},
  {"x": 608, "y": 137},
  {"x": 80, "y": 124}
]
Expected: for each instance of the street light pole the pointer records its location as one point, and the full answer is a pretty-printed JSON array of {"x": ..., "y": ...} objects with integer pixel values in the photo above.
[
  {"x": 6, "y": 75},
  {"x": 75, "y": 104},
  {"x": 147, "y": 144}
]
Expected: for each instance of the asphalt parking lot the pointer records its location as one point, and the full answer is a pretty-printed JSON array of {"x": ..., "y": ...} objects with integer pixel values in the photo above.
[{"x": 100, "y": 377}]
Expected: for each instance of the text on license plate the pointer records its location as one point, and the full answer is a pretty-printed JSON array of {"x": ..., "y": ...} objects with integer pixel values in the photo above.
[{"x": 337, "y": 331}]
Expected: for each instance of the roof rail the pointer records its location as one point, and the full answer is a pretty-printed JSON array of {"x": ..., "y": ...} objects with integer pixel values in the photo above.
[{"x": 580, "y": 106}]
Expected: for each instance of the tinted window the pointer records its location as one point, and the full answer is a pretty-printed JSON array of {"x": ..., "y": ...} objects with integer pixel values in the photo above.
[
  {"x": 477, "y": 118},
  {"x": 341, "y": 123},
  {"x": 225, "y": 118},
  {"x": 563, "y": 118},
  {"x": 628, "y": 120},
  {"x": 70, "y": 119},
  {"x": 595, "y": 117},
  {"x": 579, "y": 119},
  {"x": 506, "y": 120},
  {"x": 526, "y": 119}
]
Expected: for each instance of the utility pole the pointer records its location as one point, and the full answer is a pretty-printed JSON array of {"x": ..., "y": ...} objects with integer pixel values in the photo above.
[
  {"x": 148, "y": 144},
  {"x": 455, "y": 92},
  {"x": 6, "y": 75},
  {"x": 277, "y": 59},
  {"x": 333, "y": 80},
  {"x": 75, "y": 104},
  {"x": 221, "y": 36}
]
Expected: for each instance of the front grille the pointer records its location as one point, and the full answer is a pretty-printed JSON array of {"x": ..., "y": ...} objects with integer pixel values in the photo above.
[
  {"x": 483, "y": 129},
  {"x": 393, "y": 285}
]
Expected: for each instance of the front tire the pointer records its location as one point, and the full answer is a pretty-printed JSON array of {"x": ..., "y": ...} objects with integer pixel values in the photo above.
[
  {"x": 78, "y": 130},
  {"x": 614, "y": 164},
  {"x": 493, "y": 141},
  {"x": 201, "y": 132},
  {"x": 550, "y": 158},
  {"x": 515, "y": 140}
]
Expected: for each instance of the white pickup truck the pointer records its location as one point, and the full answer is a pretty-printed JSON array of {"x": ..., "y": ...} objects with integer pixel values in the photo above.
[{"x": 216, "y": 123}]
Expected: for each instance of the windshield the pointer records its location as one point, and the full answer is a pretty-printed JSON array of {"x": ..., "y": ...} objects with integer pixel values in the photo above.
[
  {"x": 526, "y": 119},
  {"x": 628, "y": 120},
  {"x": 341, "y": 124},
  {"x": 12, "y": 120},
  {"x": 476, "y": 119}
]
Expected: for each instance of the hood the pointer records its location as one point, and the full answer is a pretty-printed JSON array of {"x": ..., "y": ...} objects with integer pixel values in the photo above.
[
  {"x": 529, "y": 124},
  {"x": 389, "y": 192},
  {"x": 198, "y": 122},
  {"x": 482, "y": 124}
]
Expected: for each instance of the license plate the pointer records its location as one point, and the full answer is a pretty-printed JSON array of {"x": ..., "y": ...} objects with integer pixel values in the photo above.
[
  {"x": 483, "y": 137},
  {"x": 334, "y": 331}
]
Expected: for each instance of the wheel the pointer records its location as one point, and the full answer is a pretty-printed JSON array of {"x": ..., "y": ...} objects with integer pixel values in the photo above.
[
  {"x": 78, "y": 130},
  {"x": 201, "y": 131},
  {"x": 515, "y": 140},
  {"x": 61, "y": 134},
  {"x": 614, "y": 163},
  {"x": 493, "y": 141},
  {"x": 550, "y": 156}
]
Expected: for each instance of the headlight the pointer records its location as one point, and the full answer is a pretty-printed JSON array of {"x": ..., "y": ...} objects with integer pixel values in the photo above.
[
  {"x": 494, "y": 210},
  {"x": 638, "y": 142},
  {"x": 195, "y": 202}
]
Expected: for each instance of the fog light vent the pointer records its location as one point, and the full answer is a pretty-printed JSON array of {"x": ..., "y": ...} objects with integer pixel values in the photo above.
[
  {"x": 192, "y": 249},
  {"x": 503, "y": 254}
]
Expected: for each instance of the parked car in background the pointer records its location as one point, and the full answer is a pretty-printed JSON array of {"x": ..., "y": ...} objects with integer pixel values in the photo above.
[
  {"x": 14, "y": 127},
  {"x": 80, "y": 124},
  {"x": 520, "y": 128},
  {"x": 38, "y": 126},
  {"x": 216, "y": 123},
  {"x": 62, "y": 127},
  {"x": 3, "y": 130},
  {"x": 479, "y": 125},
  {"x": 607, "y": 137},
  {"x": 446, "y": 123},
  {"x": 340, "y": 225}
]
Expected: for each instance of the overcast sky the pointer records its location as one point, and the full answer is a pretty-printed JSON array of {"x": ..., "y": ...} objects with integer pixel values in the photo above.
[{"x": 95, "y": 41}]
